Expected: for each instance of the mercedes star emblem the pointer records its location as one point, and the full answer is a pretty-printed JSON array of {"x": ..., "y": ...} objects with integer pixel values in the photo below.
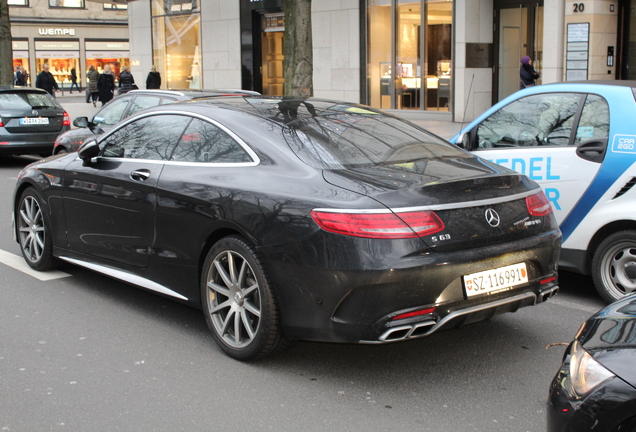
[{"x": 492, "y": 217}]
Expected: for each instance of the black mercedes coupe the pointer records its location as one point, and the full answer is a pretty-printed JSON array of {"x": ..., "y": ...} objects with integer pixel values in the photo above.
[{"x": 294, "y": 219}]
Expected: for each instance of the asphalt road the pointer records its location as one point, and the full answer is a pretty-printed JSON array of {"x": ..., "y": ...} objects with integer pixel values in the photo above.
[{"x": 83, "y": 352}]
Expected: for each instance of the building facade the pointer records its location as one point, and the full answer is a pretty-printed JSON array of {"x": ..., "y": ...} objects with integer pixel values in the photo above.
[
  {"x": 436, "y": 59},
  {"x": 68, "y": 34}
]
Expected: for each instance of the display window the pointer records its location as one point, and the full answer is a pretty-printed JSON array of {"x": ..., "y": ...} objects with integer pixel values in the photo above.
[
  {"x": 23, "y": 62},
  {"x": 116, "y": 64},
  {"x": 409, "y": 52},
  {"x": 176, "y": 41},
  {"x": 60, "y": 67}
]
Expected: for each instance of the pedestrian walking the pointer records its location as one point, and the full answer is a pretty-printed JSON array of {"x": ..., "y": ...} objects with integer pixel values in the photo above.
[
  {"x": 92, "y": 92},
  {"x": 527, "y": 73},
  {"x": 126, "y": 80},
  {"x": 24, "y": 77},
  {"x": 74, "y": 81},
  {"x": 16, "y": 75},
  {"x": 154, "y": 79},
  {"x": 46, "y": 81},
  {"x": 106, "y": 85}
]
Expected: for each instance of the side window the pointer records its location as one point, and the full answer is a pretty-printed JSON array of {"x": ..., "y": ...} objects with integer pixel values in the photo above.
[
  {"x": 594, "y": 122},
  {"x": 143, "y": 102},
  {"x": 151, "y": 138},
  {"x": 538, "y": 120},
  {"x": 111, "y": 114},
  {"x": 204, "y": 142}
]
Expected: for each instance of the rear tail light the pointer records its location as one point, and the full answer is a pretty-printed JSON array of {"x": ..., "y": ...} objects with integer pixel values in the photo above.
[
  {"x": 416, "y": 313},
  {"x": 379, "y": 225},
  {"x": 538, "y": 205},
  {"x": 1, "y": 124},
  {"x": 67, "y": 119}
]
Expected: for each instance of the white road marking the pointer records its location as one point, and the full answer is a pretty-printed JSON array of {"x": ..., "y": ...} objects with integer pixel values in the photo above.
[{"x": 18, "y": 263}]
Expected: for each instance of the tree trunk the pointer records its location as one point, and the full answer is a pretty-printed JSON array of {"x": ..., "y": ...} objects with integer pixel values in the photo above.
[
  {"x": 299, "y": 62},
  {"x": 6, "y": 46}
]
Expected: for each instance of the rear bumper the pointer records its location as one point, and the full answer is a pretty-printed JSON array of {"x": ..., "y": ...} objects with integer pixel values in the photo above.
[
  {"x": 28, "y": 143},
  {"x": 460, "y": 317},
  {"x": 350, "y": 290}
]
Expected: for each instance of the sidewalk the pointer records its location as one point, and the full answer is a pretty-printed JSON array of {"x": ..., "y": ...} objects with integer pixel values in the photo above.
[{"x": 76, "y": 106}]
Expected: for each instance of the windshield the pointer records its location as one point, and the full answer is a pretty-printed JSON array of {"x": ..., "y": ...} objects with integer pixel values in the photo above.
[
  {"x": 356, "y": 138},
  {"x": 27, "y": 100}
]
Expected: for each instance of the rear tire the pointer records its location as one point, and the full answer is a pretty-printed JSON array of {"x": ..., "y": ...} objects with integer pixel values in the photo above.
[
  {"x": 34, "y": 233},
  {"x": 614, "y": 266},
  {"x": 238, "y": 301}
]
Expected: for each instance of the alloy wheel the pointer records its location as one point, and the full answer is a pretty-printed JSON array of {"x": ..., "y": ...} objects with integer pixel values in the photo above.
[
  {"x": 234, "y": 299},
  {"x": 31, "y": 229}
]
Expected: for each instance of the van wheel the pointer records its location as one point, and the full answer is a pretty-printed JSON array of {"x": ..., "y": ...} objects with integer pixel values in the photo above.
[
  {"x": 238, "y": 301},
  {"x": 614, "y": 266}
]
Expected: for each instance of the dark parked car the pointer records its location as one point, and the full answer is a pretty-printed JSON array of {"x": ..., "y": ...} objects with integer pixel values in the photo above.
[
  {"x": 124, "y": 106},
  {"x": 595, "y": 389},
  {"x": 30, "y": 120},
  {"x": 294, "y": 219}
]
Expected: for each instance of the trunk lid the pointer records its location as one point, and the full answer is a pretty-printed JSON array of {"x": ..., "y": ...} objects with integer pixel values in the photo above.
[{"x": 480, "y": 203}]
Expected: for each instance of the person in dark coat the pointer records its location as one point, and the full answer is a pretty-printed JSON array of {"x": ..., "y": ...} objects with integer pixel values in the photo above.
[
  {"x": 46, "y": 81},
  {"x": 527, "y": 73},
  {"x": 74, "y": 81},
  {"x": 106, "y": 85},
  {"x": 16, "y": 75},
  {"x": 20, "y": 78},
  {"x": 126, "y": 80},
  {"x": 154, "y": 79},
  {"x": 92, "y": 92}
]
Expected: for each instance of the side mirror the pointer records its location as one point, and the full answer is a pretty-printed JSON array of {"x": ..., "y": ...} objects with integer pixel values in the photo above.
[
  {"x": 81, "y": 122},
  {"x": 88, "y": 150}
]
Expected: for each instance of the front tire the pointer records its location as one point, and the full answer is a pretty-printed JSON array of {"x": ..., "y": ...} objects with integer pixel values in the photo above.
[
  {"x": 614, "y": 266},
  {"x": 34, "y": 232},
  {"x": 238, "y": 301}
]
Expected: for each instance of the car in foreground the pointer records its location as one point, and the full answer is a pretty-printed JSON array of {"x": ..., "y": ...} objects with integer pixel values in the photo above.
[
  {"x": 30, "y": 121},
  {"x": 294, "y": 219},
  {"x": 124, "y": 106},
  {"x": 578, "y": 141},
  {"x": 595, "y": 388}
]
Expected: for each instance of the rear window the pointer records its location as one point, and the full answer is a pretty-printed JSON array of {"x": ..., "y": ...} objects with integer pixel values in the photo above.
[
  {"x": 359, "y": 138},
  {"x": 27, "y": 100}
]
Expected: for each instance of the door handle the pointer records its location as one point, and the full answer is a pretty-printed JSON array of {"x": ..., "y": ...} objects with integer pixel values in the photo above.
[
  {"x": 140, "y": 175},
  {"x": 593, "y": 150}
]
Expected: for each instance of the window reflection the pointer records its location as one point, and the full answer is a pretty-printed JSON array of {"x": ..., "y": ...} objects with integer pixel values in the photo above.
[
  {"x": 205, "y": 142},
  {"x": 150, "y": 138},
  {"x": 544, "y": 119},
  {"x": 594, "y": 122}
]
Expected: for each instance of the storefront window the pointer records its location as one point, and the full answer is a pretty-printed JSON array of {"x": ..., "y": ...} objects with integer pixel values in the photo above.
[
  {"x": 59, "y": 67},
  {"x": 176, "y": 42},
  {"x": 18, "y": 2},
  {"x": 410, "y": 68},
  {"x": 66, "y": 3},
  {"x": 21, "y": 56}
]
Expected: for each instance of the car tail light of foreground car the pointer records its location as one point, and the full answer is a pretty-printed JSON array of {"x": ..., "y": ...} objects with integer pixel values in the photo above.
[{"x": 379, "y": 225}]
